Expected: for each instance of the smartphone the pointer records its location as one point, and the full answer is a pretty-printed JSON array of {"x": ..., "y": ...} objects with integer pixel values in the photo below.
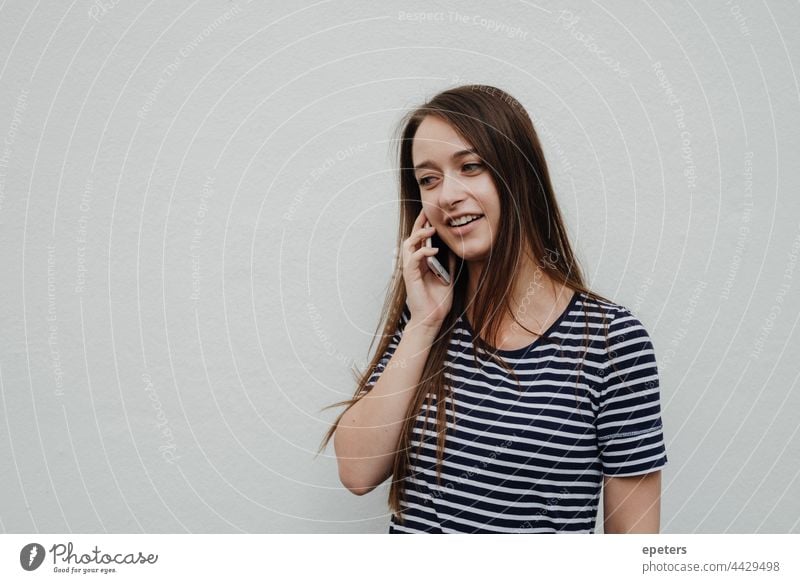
[{"x": 434, "y": 264}]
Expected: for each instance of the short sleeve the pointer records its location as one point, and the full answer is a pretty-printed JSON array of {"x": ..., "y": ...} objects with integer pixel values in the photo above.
[
  {"x": 629, "y": 427},
  {"x": 387, "y": 355}
]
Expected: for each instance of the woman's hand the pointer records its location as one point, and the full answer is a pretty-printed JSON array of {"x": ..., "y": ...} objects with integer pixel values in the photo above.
[{"x": 428, "y": 298}]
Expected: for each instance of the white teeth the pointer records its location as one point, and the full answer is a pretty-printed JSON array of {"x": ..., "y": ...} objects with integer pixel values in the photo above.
[{"x": 462, "y": 220}]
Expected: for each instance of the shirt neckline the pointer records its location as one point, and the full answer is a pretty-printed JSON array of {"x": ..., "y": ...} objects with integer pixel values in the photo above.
[{"x": 523, "y": 350}]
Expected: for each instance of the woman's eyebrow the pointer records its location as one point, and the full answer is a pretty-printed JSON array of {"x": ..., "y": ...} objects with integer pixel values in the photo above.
[{"x": 459, "y": 154}]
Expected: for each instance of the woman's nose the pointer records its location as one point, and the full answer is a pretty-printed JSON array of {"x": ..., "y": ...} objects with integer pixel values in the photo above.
[{"x": 451, "y": 192}]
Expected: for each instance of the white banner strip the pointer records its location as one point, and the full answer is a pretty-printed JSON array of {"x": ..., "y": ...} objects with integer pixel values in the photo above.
[{"x": 383, "y": 557}]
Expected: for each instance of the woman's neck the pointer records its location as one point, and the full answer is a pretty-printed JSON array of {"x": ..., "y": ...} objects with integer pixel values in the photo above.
[{"x": 534, "y": 296}]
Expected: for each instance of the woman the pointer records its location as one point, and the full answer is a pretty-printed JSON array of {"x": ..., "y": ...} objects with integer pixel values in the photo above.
[{"x": 516, "y": 427}]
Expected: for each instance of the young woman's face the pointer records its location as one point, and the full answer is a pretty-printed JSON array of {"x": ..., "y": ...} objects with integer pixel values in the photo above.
[{"x": 454, "y": 183}]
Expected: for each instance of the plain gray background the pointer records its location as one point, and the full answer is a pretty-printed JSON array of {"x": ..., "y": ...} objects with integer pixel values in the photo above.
[{"x": 198, "y": 208}]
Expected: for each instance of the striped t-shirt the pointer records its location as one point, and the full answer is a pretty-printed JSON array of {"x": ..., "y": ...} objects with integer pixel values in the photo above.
[{"x": 532, "y": 461}]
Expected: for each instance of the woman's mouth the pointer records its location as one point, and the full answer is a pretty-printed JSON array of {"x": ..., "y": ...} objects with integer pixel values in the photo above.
[{"x": 467, "y": 227}]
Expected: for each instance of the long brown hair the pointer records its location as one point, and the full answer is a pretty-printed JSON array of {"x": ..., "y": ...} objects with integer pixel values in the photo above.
[{"x": 502, "y": 133}]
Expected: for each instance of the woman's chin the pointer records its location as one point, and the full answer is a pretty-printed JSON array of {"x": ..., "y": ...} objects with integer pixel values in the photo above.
[{"x": 471, "y": 252}]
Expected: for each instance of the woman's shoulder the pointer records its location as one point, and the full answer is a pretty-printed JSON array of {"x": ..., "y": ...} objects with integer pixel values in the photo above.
[
  {"x": 602, "y": 306},
  {"x": 620, "y": 323}
]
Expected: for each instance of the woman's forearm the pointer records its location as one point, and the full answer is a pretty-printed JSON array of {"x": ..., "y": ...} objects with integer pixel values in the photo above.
[{"x": 367, "y": 435}]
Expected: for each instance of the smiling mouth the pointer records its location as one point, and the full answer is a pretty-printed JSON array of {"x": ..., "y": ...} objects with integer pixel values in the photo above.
[
  {"x": 460, "y": 227},
  {"x": 476, "y": 218}
]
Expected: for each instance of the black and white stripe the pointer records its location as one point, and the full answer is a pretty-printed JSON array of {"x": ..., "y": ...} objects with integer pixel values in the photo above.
[{"x": 533, "y": 460}]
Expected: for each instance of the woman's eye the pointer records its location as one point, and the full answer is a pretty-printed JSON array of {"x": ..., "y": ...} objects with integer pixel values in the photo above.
[{"x": 471, "y": 167}]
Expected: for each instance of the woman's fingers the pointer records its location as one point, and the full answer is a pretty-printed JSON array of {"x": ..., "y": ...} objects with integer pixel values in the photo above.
[
  {"x": 420, "y": 220},
  {"x": 418, "y": 255},
  {"x": 424, "y": 251},
  {"x": 415, "y": 259},
  {"x": 417, "y": 236},
  {"x": 415, "y": 249},
  {"x": 422, "y": 234}
]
